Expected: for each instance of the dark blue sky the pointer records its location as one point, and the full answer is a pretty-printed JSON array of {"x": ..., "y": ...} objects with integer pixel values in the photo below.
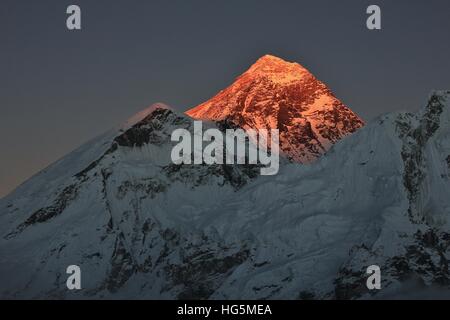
[{"x": 59, "y": 88}]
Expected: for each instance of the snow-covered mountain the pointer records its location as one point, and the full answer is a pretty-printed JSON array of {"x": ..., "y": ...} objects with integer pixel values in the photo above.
[
  {"x": 275, "y": 94},
  {"x": 142, "y": 227}
]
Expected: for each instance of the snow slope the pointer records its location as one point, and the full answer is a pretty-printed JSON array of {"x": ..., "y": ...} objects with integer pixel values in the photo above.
[{"x": 141, "y": 227}]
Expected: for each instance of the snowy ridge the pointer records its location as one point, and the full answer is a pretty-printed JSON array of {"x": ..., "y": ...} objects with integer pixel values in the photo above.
[
  {"x": 140, "y": 227},
  {"x": 142, "y": 115}
]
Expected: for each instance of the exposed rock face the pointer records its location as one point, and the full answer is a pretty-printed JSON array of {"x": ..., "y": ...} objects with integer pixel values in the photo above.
[
  {"x": 415, "y": 135},
  {"x": 424, "y": 261},
  {"x": 275, "y": 94}
]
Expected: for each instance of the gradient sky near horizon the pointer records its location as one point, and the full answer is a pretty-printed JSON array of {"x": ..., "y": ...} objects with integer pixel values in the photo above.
[{"x": 60, "y": 88}]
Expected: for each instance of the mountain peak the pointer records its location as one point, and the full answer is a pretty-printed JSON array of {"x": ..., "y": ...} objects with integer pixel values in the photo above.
[
  {"x": 144, "y": 114},
  {"x": 277, "y": 70},
  {"x": 276, "y": 94},
  {"x": 268, "y": 58}
]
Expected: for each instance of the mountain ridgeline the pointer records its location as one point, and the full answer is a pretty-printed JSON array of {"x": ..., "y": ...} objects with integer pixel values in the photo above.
[{"x": 141, "y": 227}]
